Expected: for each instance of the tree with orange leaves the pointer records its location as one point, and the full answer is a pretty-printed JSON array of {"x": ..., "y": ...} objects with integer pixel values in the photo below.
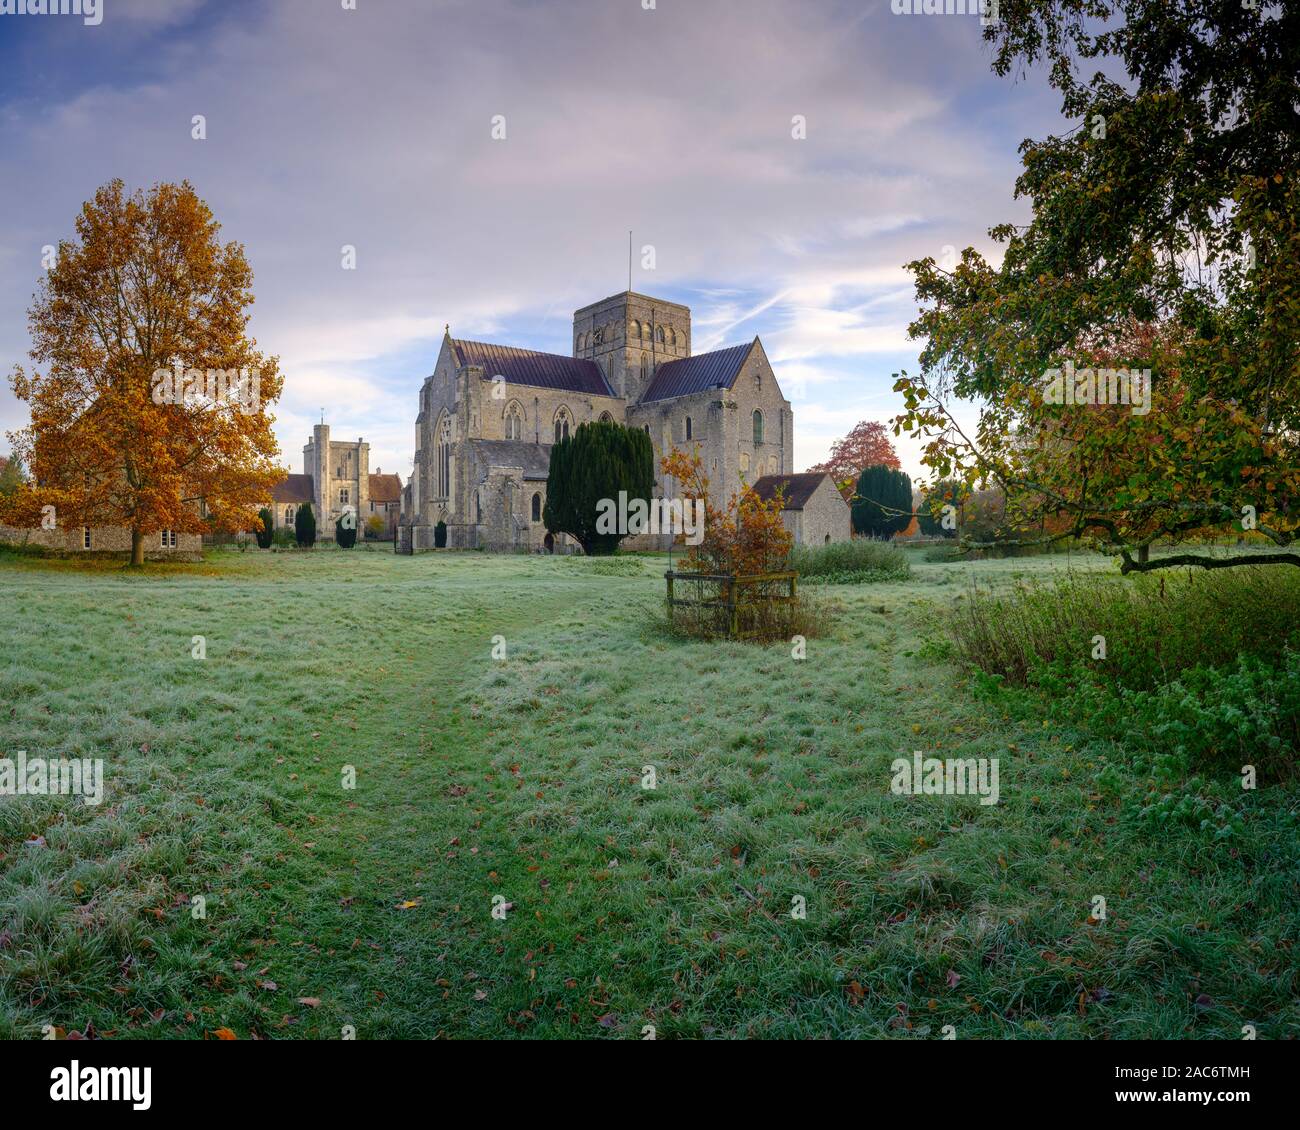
[
  {"x": 867, "y": 445},
  {"x": 744, "y": 537},
  {"x": 151, "y": 400}
]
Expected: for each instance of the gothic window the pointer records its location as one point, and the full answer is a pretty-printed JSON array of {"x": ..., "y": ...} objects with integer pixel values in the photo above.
[
  {"x": 659, "y": 335},
  {"x": 689, "y": 430},
  {"x": 606, "y": 418},
  {"x": 758, "y": 426},
  {"x": 672, "y": 337},
  {"x": 636, "y": 327},
  {"x": 288, "y": 515},
  {"x": 562, "y": 424},
  {"x": 537, "y": 508},
  {"x": 444, "y": 458},
  {"x": 645, "y": 428},
  {"x": 514, "y": 421},
  {"x": 478, "y": 508},
  {"x": 645, "y": 367}
]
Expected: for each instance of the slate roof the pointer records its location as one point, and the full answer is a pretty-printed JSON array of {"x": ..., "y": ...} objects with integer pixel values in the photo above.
[
  {"x": 294, "y": 488},
  {"x": 527, "y": 367},
  {"x": 534, "y": 458},
  {"x": 385, "y": 488},
  {"x": 704, "y": 371},
  {"x": 798, "y": 488}
]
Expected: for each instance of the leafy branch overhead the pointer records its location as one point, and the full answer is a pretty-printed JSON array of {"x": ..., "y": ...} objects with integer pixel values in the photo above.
[{"x": 1165, "y": 243}]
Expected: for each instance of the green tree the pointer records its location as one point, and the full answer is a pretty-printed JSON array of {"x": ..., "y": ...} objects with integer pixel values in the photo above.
[
  {"x": 930, "y": 514},
  {"x": 266, "y": 531},
  {"x": 304, "y": 527},
  {"x": 602, "y": 465},
  {"x": 345, "y": 532},
  {"x": 882, "y": 505},
  {"x": 11, "y": 476},
  {"x": 440, "y": 535},
  {"x": 1164, "y": 238}
]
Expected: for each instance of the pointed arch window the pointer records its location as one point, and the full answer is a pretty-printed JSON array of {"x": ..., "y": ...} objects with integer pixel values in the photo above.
[
  {"x": 645, "y": 367},
  {"x": 659, "y": 334},
  {"x": 690, "y": 431},
  {"x": 514, "y": 421},
  {"x": 563, "y": 422},
  {"x": 758, "y": 426},
  {"x": 537, "y": 508},
  {"x": 444, "y": 458}
]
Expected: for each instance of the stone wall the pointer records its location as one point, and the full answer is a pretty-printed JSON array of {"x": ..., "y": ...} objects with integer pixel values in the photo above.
[{"x": 105, "y": 539}]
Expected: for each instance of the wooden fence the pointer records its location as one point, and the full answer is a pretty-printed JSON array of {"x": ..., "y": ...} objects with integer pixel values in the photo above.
[{"x": 725, "y": 604}]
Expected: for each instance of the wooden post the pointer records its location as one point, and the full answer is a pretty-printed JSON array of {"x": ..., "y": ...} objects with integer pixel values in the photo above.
[{"x": 734, "y": 620}]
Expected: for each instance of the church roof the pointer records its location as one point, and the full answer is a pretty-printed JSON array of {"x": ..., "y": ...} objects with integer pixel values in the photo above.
[
  {"x": 294, "y": 488},
  {"x": 798, "y": 489},
  {"x": 534, "y": 458},
  {"x": 704, "y": 371},
  {"x": 527, "y": 367},
  {"x": 385, "y": 488}
]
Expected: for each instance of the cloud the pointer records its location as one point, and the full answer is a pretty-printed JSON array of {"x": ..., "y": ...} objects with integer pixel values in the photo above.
[{"x": 373, "y": 128}]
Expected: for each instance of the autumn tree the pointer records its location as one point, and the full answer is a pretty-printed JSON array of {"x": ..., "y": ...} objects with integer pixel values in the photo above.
[
  {"x": 744, "y": 534},
  {"x": 867, "y": 445},
  {"x": 149, "y": 401},
  {"x": 1164, "y": 241}
]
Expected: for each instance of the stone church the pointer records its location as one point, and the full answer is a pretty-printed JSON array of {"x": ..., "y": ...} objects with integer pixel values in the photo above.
[{"x": 489, "y": 414}]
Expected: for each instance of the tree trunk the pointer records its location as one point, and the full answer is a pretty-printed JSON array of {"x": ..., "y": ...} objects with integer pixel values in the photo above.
[
  {"x": 137, "y": 549},
  {"x": 1144, "y": 553}
]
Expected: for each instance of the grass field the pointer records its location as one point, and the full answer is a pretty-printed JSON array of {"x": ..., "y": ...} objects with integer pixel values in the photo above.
[{"x": 520, "y": 779}]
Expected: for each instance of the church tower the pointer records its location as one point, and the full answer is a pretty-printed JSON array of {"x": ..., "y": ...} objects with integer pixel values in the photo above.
[{"x": 629, "y": 335}]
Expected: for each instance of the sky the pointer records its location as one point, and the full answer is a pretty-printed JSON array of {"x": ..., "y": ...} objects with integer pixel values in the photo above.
[{"x": 372, "y": 127}]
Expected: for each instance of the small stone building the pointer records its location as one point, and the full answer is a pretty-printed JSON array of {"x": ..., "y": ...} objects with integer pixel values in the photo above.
[{"x": 814, "y": 511}]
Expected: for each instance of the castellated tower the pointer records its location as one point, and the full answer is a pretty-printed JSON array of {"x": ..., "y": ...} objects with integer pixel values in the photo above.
[{"x": 628, "y": 335}]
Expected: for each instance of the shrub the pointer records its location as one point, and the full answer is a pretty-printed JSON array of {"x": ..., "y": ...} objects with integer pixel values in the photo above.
[
  {"x": 345, "y": 532},
  {"x": 883, "y": 504},
  {"x": 266, "y": 531},
  {"x": 305, "y": 526},
  {"x": 284, "y": 538},
  {"x": 440, "y": 536},
  {"x": 743, "y": 535},
  {"x": 1153, "y": 628},
  {"x": 860, "y": 561},
  {"x": 376, "y": 527}
]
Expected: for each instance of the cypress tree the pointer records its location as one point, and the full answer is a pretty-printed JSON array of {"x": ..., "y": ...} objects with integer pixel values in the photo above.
[
  {"x": 440, "y": 535},
  {"x": 592, "y": 466},
  {"x": 345, "y": 534},
  {"x": 304, "y": 526},
  {"x": 266, "y": 531},
  {"x": 883, "y": 503}
]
